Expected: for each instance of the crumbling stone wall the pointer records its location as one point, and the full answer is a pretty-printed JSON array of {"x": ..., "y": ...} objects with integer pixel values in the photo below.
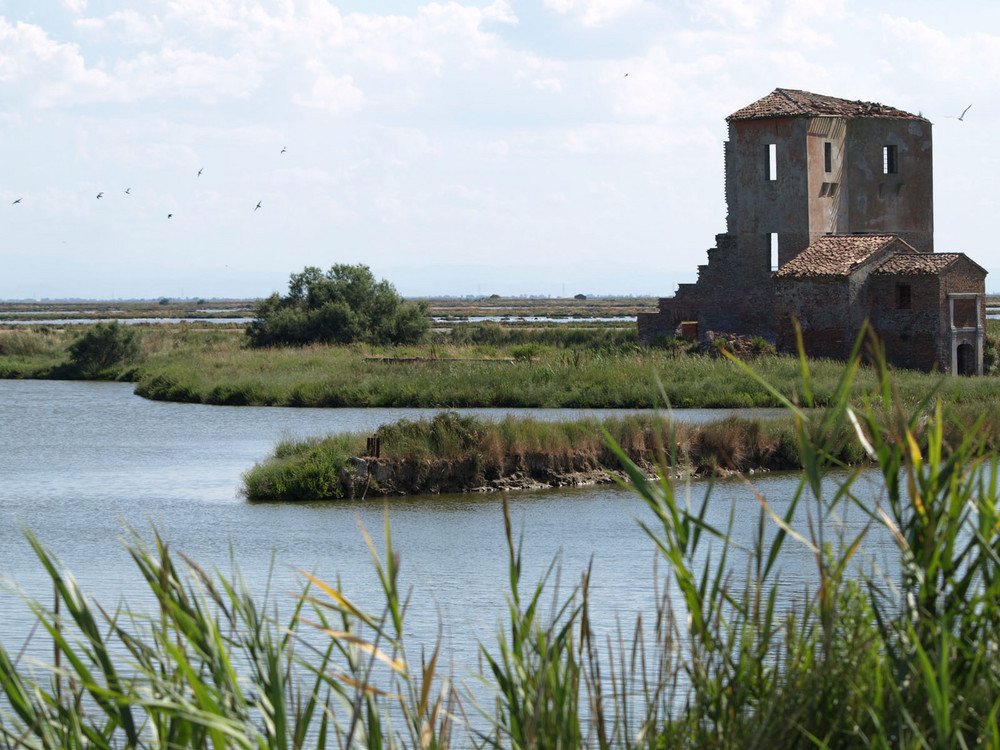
[
  {"x": 901, "y": 202},
  {"x": 920, "y": 336},
  {"x": 914, "y": 337}
]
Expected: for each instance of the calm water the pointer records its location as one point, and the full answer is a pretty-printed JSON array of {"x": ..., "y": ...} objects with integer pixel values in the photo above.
[
  {"x": 79, "y": 460},
  {"x": 122, "y": 321}
]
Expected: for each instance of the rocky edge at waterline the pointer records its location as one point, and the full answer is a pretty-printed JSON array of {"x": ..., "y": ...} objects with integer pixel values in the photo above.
[{"x": 378, "y": 477}]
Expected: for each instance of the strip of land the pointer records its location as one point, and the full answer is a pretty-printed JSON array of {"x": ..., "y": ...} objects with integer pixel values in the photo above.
[
  {"x": 454, "y": 453},
  {"x": 463, "y": 365}
]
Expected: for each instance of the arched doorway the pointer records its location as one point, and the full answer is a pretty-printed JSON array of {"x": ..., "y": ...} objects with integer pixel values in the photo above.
[{"x": 966, "y": 359}]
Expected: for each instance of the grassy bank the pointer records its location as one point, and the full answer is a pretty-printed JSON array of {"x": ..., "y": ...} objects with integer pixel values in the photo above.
[
  {"x": 899, "y": 656},
  {"x": 466, "y": 365}
]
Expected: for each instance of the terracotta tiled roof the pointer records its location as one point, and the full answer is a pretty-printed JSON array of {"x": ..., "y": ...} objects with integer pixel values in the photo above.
[
  {"x": 916, "y": 265},
  {"x": 793, "y": 103},
  {"x": 836, "y": 255}
]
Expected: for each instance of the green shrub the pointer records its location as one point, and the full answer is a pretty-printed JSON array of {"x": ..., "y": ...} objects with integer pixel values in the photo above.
[
  {"x": 301, "y": 471},
  {"x": 343, "y": 305},
  {"x": 526, "y": 352},
  {"x": 103, "y": 346}
]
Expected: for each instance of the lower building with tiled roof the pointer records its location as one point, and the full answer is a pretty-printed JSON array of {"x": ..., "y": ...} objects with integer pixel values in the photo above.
[{"x": 927, "y": 308}]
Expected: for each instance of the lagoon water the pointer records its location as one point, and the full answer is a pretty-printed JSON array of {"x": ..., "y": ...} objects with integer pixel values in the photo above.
[{"x": 80, "y": 462}]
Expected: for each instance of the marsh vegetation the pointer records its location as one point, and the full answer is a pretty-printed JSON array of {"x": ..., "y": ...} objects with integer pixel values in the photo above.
[
  {"x": 461, "y": 453},
  {"x": 509, "y": 362}
]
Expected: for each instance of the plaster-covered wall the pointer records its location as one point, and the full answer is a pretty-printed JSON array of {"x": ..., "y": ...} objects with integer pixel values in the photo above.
[{"x": 901, "y": 203}]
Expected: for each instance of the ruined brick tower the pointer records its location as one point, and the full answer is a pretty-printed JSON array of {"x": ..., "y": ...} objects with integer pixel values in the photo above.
[{"x": 800, "y": 167}]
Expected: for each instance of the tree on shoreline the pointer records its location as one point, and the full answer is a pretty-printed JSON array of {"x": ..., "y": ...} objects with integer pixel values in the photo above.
[{"x": 344, "y": 305}]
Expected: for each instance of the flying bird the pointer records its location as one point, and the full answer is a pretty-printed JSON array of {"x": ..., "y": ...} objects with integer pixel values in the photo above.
[
  {"x": 626, "y": 75},
  {"x": 257, "y": 206},
  {"x": 200, "y": 171},
  {"x": 170, "y": 216},
  {"x": 128, "y": 191},
  {"x": 100, "y": 195},
  {"x": 283, "y": 149},
  {"x": 16, "y": 202},
  {"x": 961, "y": 117}
]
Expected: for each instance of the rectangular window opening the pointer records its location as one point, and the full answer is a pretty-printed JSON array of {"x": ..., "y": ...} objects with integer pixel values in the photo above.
[
  {"x": 772, "y": 240},
  {"x": 889, "y": 164},
  {"x": 903, "y": 297},
  {"x": 772, "y": 161},
  {"x": 827, "y": 157}
]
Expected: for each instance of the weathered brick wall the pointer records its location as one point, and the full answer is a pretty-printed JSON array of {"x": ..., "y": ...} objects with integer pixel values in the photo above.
[
  {"x": 733, "y": 293},
  {"x": 915, "y": 337},
  {"x": 764, "y": 205},
  {"x": 901, "y": 203},
  {"x": 655, "y": 325},
  {"x": 829, "y": 309},
  {"x": 827, "y": 207},
  {"x": 964, "y": 277},
  {"x": 822, "y": 308}
]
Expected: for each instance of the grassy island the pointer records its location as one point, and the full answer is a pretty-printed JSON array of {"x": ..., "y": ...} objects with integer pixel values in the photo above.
[{"x": 454, "y": 453}]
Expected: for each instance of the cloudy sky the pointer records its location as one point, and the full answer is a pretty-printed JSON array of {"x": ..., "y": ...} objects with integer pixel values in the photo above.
[{"x": 542, "y": 147}]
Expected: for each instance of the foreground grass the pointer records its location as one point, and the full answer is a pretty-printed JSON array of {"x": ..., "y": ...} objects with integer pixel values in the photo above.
[
  {"x": 903, "y": 656},
  {"x": 470, "y": 366}
]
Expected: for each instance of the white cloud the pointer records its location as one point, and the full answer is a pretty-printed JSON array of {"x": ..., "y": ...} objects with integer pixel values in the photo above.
[
  {"x": 607, "y": 192},
  {"x": 44, "y": 71},
  {"x": 336, "y": 95},
  {"x": 594, "y": 12},
  {"x": 128, "y": 27},
  {"x": 500, "y": 12},
  {"x": 75, "y": 6},
  {"x": 971, "y": 60},
  {"x": 538, "y": 76},
  {"x": 498, "y": 148},
  {"x": 188, "y": 74},
  {"x": 743, "y": 14}
]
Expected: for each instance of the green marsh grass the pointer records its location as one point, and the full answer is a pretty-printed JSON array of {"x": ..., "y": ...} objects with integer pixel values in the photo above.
[
  {"x": 903, "y": 656},
  {"x": 31, "y": 351},
  {"x": 460, "y": 377},
  {"x": 597, "y": 367}
]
